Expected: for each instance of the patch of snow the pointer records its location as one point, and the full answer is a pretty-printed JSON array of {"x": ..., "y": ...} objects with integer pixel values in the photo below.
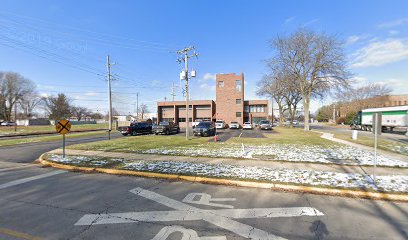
[
  {"x": 287, "y": 152},
  {"x": 94, "y": 161},
  {"x": 304, "y": 177}
]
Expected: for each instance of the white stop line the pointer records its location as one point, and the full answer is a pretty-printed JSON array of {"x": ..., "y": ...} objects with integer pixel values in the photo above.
[{"x": 223, "y": 218}]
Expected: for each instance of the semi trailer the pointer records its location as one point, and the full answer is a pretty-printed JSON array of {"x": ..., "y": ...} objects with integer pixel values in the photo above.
[{"x": 392, "y": 117}]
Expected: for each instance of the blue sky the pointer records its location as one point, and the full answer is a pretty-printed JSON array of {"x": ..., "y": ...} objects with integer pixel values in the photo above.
[{"x": 62, "y": 45}]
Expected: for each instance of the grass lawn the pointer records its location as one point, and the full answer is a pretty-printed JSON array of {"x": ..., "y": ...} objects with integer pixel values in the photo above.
[
  {"x": 9, "y": 130},
  {"x": 286, "y": 135},
  {"x": 384, "y": 144},
  {"x": 8, "y": 142},
  {"x": 145, "y": 142}
]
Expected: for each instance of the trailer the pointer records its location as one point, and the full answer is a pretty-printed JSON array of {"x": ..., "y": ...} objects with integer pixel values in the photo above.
[{"x": 392, "y": 117}]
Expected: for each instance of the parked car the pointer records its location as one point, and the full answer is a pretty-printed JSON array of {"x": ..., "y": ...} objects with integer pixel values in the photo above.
[
  {"x": 204, "y": 129},
  {"x": 8, "y": 124},
  {"x": 136, "y": 128},
  {"x": 265, "y": 125},
  {"x": 219, "y": 124},
  {"x": 166, "y": 128},
  {"x": 295, "y": 122},
  {"x": 234, "y": 125},
  {"x": 247, "y": 125}
]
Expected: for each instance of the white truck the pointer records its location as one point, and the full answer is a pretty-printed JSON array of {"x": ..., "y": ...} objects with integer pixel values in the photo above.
[{"x": 392, "y": 117}]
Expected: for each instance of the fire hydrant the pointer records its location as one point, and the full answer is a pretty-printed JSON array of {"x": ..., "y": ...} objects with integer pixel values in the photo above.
[{"x": 215, "y": 138}]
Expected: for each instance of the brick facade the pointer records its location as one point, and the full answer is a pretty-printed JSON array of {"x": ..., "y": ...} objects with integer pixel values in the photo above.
[{"x": 230, "y": 105}]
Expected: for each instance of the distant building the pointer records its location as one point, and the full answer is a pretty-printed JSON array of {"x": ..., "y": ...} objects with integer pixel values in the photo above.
[
  {"x": 230, "y": 105},
  {"x": 379, "y": 101}
]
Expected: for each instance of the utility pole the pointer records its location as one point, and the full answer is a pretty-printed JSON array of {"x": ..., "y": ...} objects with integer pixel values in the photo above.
[
  {"x": 185, "y": 75},
  {"x": 137, "y": 106},
  {"x": 15, "y": 117},
  {"x": 109, "y": 97},
  {"x": 172, "y": 91},
  {"x": 334, "y": 113}
]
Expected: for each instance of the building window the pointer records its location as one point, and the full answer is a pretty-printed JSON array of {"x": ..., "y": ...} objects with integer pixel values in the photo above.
[
  {"x": 246, "y": 109},
  {"x": 220, "y": 83},
  {"x": 184, "y": 119},
  {"x": 238, "y": 85},
  {"x": 238, "y": 114},
  {"x": 238, "y": 101},
  {"x": 257, "y": 108}
]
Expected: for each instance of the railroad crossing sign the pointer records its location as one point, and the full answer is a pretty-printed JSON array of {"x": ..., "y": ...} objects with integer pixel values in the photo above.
[
  {"x": 63, "y": 126},
  {"x": 224, "y": 218}
]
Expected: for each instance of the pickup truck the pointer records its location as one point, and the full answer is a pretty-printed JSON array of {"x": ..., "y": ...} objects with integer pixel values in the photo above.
[
  {"x": 166, "y": 128},
  {"x": 136, "y": 128}
]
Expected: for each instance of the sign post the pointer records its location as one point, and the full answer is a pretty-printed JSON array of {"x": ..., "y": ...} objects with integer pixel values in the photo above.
[
  {"x": 377, "y": 118},
  {"x": 63, "y": 126}
]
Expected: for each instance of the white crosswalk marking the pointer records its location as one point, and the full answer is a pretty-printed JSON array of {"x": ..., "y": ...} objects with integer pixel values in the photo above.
[
  {"x": 223, "y": 218},
  {"x": 29, "y": 179}
]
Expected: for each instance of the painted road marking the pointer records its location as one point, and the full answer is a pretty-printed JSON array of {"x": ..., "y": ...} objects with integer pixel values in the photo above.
[
  {"x": 13, "y": 168},
  {"x": 188, "y": 234},
  {"x": 206, "y": 199},
  {"x": 29, "y": 179},
  {"x": 183, "y": 212},
  {"x": 19, "y": 235}
]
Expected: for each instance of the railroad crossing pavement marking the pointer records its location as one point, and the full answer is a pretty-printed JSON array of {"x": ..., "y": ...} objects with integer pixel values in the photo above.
[
  {"x": 206, "y": 199},
  {"x": 183, "y": 212},
  {"x": 29, "y": 179}
]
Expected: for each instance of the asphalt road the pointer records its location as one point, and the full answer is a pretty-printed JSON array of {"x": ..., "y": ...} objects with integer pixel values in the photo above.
[
  {"x": 46, "y": 203},
  {"x": 26, "y": 153}
]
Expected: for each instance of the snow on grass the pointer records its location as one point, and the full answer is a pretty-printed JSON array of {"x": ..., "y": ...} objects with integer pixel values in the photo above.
[
  {"x": 83, "y": 160},
  {"x": 287, "y": 152},
  {"x": 303, "y": 177}
]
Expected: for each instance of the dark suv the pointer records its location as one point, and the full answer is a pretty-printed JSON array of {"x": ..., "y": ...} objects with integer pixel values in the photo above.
[
  {"x": 204, "y": 129},
  {"x": 166, "y": 128},
  {"x": 136, "y": 128}
]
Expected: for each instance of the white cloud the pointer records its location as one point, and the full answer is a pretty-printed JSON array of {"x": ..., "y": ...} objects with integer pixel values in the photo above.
[
  {"x": 91, "y": 94},
  {"x": 208, "y": 87},
  {"x": 311, "y": 22},
  {"x": 378, "y": 53},
  {"x": 155, "y": 83},
  {"x": 394, "y": 23},
  {"x": 209, "y": 76},
  {"x": 393, "y": 32},
  {"x": 355, "y": 38},
  {"x": 289, "y": 19}
]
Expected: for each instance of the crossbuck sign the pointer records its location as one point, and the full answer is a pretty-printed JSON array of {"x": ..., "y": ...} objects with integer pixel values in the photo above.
[{"x": 223, "y": 218}]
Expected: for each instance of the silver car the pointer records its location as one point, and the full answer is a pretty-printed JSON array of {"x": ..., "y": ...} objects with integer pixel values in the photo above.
[
  {"x": 265, "y": 125},
  {"x": 234, "y": 125}
]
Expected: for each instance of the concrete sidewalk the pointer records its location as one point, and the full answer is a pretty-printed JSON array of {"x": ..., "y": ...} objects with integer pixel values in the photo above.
[
  {"x": 396, "y": 156},
  {"x": 241, "y": 162}
]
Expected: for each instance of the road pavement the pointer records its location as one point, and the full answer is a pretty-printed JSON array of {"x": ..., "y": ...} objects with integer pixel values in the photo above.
[
  {"x": 26, "y": 153},
  {"x": 44, "y": 203}
]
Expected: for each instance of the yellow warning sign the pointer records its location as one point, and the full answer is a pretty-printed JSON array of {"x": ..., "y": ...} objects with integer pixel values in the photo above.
[{"x": 63, "y": 126}]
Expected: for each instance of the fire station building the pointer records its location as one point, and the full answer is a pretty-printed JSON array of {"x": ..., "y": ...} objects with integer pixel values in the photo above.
[{"x": 230, "y": 105}]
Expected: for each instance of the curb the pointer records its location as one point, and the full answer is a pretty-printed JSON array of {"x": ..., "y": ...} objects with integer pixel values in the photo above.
[{"x": 238, "y": 183}]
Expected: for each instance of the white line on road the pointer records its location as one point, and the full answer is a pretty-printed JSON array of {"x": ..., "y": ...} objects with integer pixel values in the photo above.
[
  {"x": 187, "y": 215},
  {"x": 13, "y": 168},
  {"x": 29, "y": 179},
  {"x": 183, "y": 212}
]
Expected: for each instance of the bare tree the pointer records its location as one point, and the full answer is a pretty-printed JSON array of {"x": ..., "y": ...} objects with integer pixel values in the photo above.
[
  {"x": 292, "y": 97},
  {"x": 29, "y": 103},
  {"x": 272, "y": 85},
  {"x": 13, "y": 89},
  {"x": 316, "y": 61},
  {"x": 364, "y": 92},
  {"x": 143, "y": 109},
  {"x": 58, "y": 106},
  {"x": 79, "y": 112}
]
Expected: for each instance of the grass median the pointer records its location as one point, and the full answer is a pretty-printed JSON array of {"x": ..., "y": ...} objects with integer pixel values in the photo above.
[
  {"x": 9, "y": 142},
  {"x": 146, "y": 142},
  {"x": 384, "y": 144}
]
